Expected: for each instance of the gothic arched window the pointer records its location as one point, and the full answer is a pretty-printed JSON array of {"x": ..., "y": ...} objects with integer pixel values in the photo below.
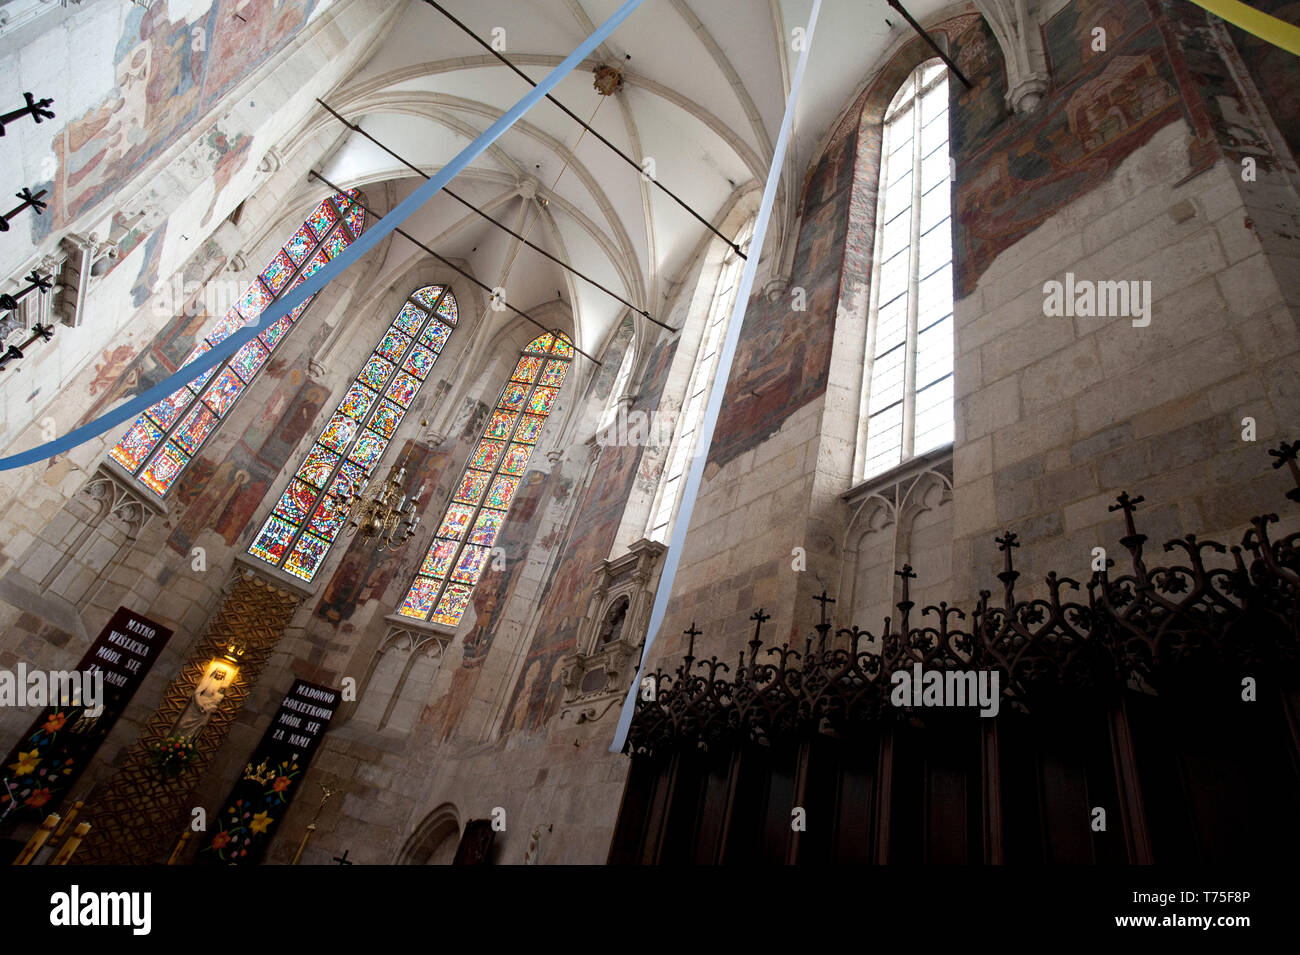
[
  {"x": 163, "y": 440},
  {"x": 312, "y": 509},
  {"x": 463, "y": 540},
  {"x": 697, "y": 396},
  {"x": 909, "y": 406}
]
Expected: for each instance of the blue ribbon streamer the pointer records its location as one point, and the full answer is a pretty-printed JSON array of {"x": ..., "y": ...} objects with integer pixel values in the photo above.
[
  {"x": 704, "y": 438},
  {"x": 335, "y": 268}
]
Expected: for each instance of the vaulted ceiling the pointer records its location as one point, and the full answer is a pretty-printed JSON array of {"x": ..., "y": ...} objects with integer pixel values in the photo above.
[{"x": 705, "y": 85}]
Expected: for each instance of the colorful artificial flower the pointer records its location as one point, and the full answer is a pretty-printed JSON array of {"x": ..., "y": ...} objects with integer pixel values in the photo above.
[
  {"x": 55, "y": 722},
  {"x": 27, "y": 762}
]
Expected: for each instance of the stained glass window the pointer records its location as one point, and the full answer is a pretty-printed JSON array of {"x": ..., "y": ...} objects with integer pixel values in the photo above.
[
  {"x": 909, "y": 401},
  {"x": 305, "y": 522},
  {"x": 463, "y": 539},
  {"x": 697, "y": 398},
  {"x": 164, "y": 439}
]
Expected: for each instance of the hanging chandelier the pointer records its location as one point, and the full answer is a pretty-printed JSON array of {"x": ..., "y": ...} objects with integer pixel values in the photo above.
[{"x": 384, "y": 513}]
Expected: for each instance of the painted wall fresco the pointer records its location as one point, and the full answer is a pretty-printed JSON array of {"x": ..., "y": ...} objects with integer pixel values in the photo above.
[
  {"x": 1227, "y": 110},
  {"x": 228, "y": 154},
  {"x": 585, "y": 540},
  {"x": 1013, "y": 174},
  {"x": 146, "y": 280},
  {"x": 517, "y": 535},
  {"x": 172, "y": 344},
  {"x": 591, "y": 531},
  {"x": 163, "y": 86},
  {"x": 222, "y": 491},
  {"x": 782, "y": 356}
]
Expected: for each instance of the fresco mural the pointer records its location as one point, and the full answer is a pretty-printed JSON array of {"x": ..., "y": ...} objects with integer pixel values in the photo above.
[
  {"x": 567, "y": 593},
  {"x": 782, "y": 356},
  {"x": 228, "y": 155},
  {"x": 146, "y": 280},
  {"x": 222, "y": 490},
  {"x": 166, "y": 80},
  {"x": 591, "y": 532},
  {"x": 517, "y": 535},
  {"x": 1011, "y": 177}
]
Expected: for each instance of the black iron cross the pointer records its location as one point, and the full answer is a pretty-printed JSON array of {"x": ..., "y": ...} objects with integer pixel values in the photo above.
[
  {"x": 692, "y": 633},
  {"x": 35, "y": 281},
  {"x": 1286, "y": 453},
  {"x": 907, "y": 574},
  {"x": 28, "y": 199},
  {"x": 37, "y": 109},
  {"x": 1007, "y": 541},
  {"x": 343, "y": 859},
  {"x": 759, "y": 619},
  {"x": 824, "y": 599},
  {"x": 1128, "y": 505}
]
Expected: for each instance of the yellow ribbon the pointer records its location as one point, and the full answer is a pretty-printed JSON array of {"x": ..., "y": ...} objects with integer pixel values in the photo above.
[{"x": 1268, "y": 28}]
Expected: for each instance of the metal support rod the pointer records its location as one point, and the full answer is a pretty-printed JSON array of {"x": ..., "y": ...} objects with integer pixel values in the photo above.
[
  {"x": 568, "y": 112},
  {"x": 410, "y": 238},
  {"x": 930, "y": 40},
  {"x": 500, "y": 225}
]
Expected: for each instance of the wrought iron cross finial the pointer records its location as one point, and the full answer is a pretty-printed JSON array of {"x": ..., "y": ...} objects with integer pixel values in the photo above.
[
  {"x": 36, "y": 283},
  {"x": 824, "y": 599},
  {"x": 37, "y": 109},
  {"x": 28, "y": 199},
  {"x": 692, "y": 632},
  {"x": 1286, "y": 453},
  {"x": 759, "y": 619},
  {"x": 1006, "y": 543},
  {"x": 1128, "y": 505},
  {"x": 907, "y": 574}
]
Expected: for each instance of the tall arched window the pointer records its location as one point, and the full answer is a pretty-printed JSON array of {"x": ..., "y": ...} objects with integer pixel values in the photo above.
[
  {"x": 697, "y": 395},
  {"x": 469, "y": 527},
  {"x": 909, "y": 408},
  {"x": 312, "y": 509},
  {"x": 164, "y": 439}
]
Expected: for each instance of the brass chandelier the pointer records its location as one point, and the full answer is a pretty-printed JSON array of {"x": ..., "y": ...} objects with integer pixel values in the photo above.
[{"x": 384, "y": 513}]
